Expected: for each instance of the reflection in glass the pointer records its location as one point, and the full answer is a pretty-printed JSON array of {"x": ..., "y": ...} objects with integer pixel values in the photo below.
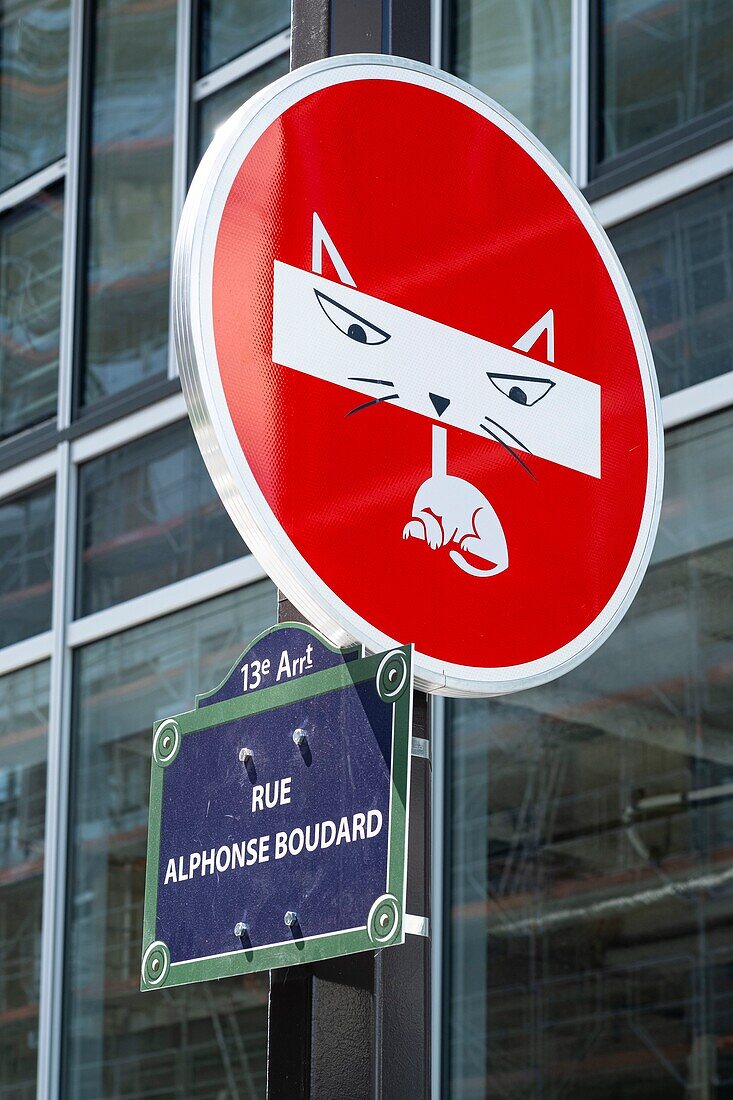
[
  {"x": 130, "y": 204},
  {"x": 229, "y": 27},
  {"x": 202, "y": 1042},
  {"x": 30, "y": 311},
  {"x": 591, "y": 855},
  {"x": 23, "y": 737},
  {"x": 150, "y": 515},
  {"x": 519, "y": 54},
  {"x": 26, "y": 564},
  {"x": 679, "y": 260},
  {"x": 216, "y": 109},
  {"x": 666, "y": 63},
  {"x": 34, "y": 60}
]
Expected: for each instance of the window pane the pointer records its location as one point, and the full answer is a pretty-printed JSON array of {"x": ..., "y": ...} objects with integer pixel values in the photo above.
[
  {"x": 591, "y": 895},
  {"x": 30, "y": 308},
  {"x": 216, "y": 109},
  {"x": 666, "y": 62},
  {"x": 188, "y": 1042},
  {"x": 149, "y": 515},
  {"x": 679, "y": 260},
  {"x": 34, "y": 49},
  {"x": 229, "y": 27},
  {"x": 130, "y": 205},
  {"x": 26, "y": 564},
  {"x": 23, "y": 737},
  {"x": 519, "y": 54}
]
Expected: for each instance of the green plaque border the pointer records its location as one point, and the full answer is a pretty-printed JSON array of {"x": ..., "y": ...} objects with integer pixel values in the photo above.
[{"x": 385, "y": 924}]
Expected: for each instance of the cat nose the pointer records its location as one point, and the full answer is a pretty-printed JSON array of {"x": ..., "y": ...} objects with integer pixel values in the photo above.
[{"x": 440, "y": 404}]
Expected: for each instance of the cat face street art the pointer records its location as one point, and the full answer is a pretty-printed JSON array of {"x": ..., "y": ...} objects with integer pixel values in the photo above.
[
  {"x": 417, "y": 374},
  {"x": 388, "y": 354}
]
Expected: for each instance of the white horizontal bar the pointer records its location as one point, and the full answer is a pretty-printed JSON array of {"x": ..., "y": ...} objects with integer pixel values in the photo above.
[
  {"x": 706, "y": 794},
  {"x": 35, "y": 470},
  {"x": 663, "y": 186},
  {"x": 705, "y": 397},
  {"x": 164, "y": 601},
  {"x": 27, "y": 188},
  {"x": 654, "y": 802},
  {"x": 29, "y": 652},
  {"x": 240, "y": 66},
  {"x": 137, "y": 424}
]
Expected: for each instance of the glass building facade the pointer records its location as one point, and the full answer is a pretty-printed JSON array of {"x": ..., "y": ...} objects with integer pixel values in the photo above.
[{"x": 583, "y": 880}]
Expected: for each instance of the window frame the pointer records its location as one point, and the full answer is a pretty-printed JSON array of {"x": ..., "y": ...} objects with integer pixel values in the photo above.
[
  {"x": 111, "y": 406},
  {"x": 37, "y": 656},
  {"x": 12, "y": 202},
  {"x": 646, "y": 179},
  {"x": 443, "y": 761},
  {"x": 443, "y": 48},
  {"x": 647, "y": 157},
  {"x": 223, "y": 77},
  {"x": 216, "y": 577}
]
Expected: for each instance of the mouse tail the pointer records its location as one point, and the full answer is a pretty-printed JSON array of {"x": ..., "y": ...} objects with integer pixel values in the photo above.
[{"x": 466, "y": 566}]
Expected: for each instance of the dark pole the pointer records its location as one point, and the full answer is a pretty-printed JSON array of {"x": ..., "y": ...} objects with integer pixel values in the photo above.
[
  {"x": 324, "y": 28},
  {"x": 358, "y": 1028}
]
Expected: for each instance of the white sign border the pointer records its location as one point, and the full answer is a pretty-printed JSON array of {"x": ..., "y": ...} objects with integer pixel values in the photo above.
[{"x": 217, "y": 439}]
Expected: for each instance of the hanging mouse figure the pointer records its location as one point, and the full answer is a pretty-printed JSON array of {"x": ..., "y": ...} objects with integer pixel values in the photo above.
[{"x": 448, "y": 511}]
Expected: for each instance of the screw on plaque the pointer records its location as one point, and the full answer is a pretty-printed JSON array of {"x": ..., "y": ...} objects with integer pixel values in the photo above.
[
  {"x": 291, "y": 918},
  {"x": 166, "y": 742},
  {"x": 247, "y": 757},
  {"x": 156, "y": 964},
  {"x": 300, "y": 738},
  {"x": 383, "y": 921},
  {"x": 241, "y": 931}
]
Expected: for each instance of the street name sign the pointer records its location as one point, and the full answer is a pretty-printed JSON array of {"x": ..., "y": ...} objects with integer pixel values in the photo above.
[
  {"x": 279, "y": 813},
  {"x": 418, "y": 375}
]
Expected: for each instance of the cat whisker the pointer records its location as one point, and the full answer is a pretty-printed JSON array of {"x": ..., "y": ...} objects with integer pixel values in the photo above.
[
  {"x": 511, "y": 451},
  {"x": 376, "y": 401},
  {"x": 507, "y": 432},
  {"x": 376, "y": 381}
]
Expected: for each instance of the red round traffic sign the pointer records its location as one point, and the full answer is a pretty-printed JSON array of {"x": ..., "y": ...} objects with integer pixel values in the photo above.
[{"x": 418, "y": 375}]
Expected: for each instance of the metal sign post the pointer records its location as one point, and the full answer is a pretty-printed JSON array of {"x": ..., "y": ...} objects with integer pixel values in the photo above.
[{"x": 359, "y": 1026}]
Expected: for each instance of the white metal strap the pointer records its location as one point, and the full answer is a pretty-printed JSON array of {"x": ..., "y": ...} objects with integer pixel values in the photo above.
[
  {"x": 416, "y": 926},
  {"x": 420, "y": 747}
]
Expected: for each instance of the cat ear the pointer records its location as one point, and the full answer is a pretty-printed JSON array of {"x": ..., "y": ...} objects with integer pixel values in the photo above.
[
  {"x": 546, "y": 324},
  {"x": 321, "y": 240}
]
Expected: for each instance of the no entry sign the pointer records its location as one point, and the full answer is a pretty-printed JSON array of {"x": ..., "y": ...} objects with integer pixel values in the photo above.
[{"x": 418, "y": 375}]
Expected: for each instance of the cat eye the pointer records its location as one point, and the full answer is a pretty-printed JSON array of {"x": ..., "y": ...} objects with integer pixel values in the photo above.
[
  {"x": 351, "y": 324},
  {"x": 520, "y": 389}
]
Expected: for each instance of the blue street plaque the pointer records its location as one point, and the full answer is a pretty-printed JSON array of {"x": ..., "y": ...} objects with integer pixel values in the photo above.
[{"x": 278, "y": 813}]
